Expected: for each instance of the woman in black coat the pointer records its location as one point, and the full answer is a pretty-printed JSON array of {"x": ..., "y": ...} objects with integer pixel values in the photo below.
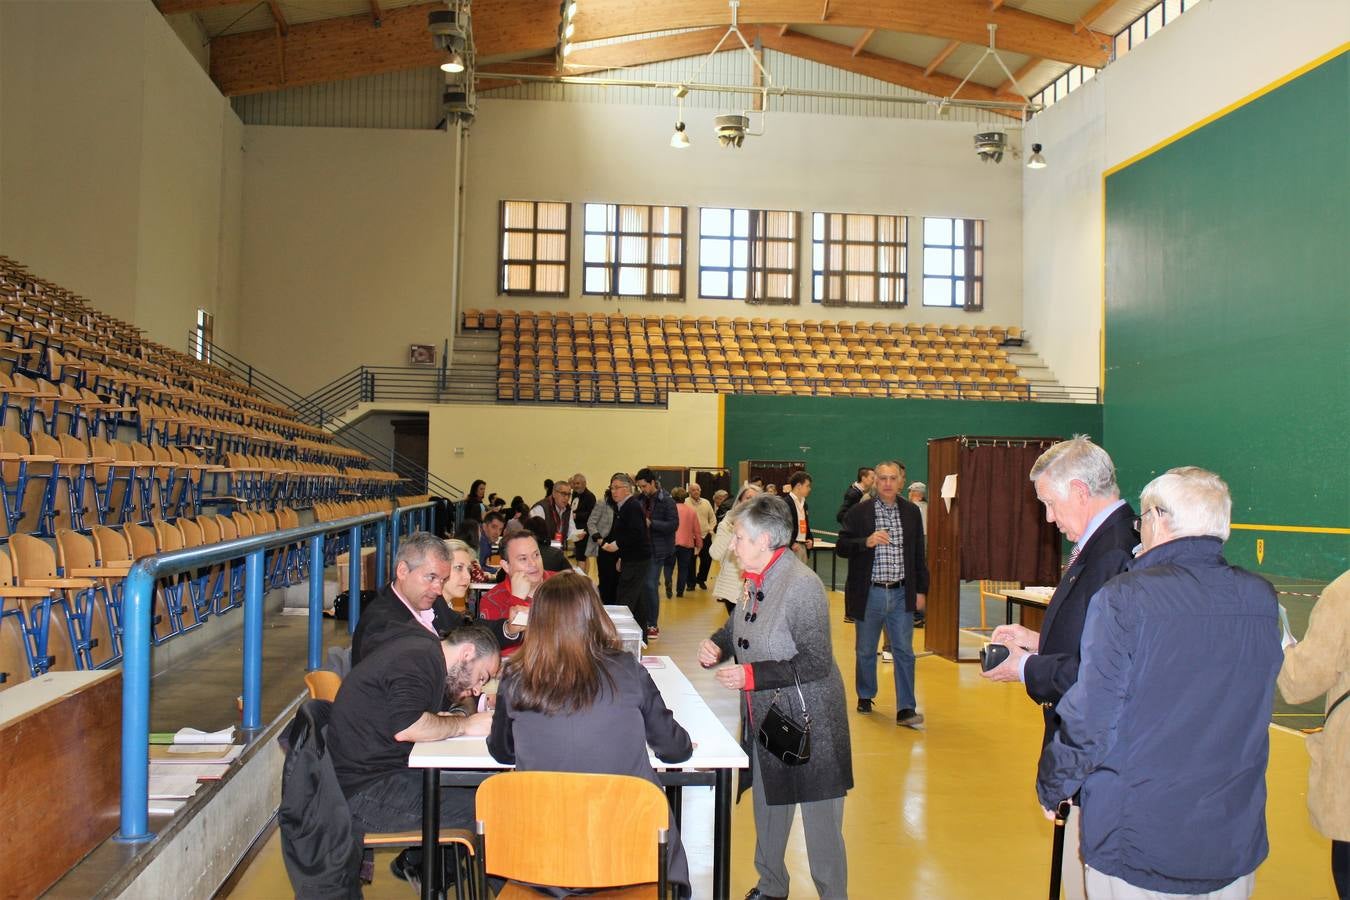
[{"x": 571, "y": 700}]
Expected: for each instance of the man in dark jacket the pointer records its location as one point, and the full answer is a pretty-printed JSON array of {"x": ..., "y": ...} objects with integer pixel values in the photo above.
[
  {"x": 887, "y": 582},
  {"x": 856, "y": 491},
  {"x": 1076, "y": 481},
  {"x": 414, "y": 598},
  {"x": 390, "y": 701},
  {"x": 630, "y": 540},
  {"x": 583, "y": 502},
  {"x": 1166, "y": 731},
  {"x": 662, "y": 521}
]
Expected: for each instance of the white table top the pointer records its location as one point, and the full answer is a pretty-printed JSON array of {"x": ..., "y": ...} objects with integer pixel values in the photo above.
[
  {"x": 716, "y": 748},
  {"x": 820, "y": 544}
]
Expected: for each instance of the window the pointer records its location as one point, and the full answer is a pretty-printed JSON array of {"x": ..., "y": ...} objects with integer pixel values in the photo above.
[
  {"x": 534, "y": 247},
  {"x": 748, "y": 254},
  {"x": 857, "y": 259},
  {"x": 953, "y": 263},
  {"x": 634, "y": 251},
  {"x": 205, "y": 328}
]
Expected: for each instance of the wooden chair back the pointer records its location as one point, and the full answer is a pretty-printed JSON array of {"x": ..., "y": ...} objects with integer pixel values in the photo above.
[
  {"x": 993, "y": 590},
  {"x": 323, "y": 685},
  {"x": 573, "y": 830}
]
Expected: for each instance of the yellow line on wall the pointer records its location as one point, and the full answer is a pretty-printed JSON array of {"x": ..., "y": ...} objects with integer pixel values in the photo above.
[
  {"x": 1254, "y": 95},
  {"x": 721, "y": 430},
  {"x": 1295, "y": 529}
]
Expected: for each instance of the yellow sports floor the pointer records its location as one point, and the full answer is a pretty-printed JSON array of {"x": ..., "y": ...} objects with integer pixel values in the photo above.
[{"x": 946, "y": 812}]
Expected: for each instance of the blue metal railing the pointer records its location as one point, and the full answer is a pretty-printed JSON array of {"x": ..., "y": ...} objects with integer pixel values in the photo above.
[{"x": 137, "y": 607}]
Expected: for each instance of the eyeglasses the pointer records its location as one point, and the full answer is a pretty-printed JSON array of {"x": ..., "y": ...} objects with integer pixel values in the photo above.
[{"x": 1139, "y": 519}]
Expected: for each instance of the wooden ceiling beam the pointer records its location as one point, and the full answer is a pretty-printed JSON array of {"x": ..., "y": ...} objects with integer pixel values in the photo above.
[
  {"x": 941, "y": 57},
  {"x": 862, "y": 41},
  {"x": 169, "y": 7},
  {"x": 783, "y": 30},
  {"x": 881, "y": 68},
  {"x": 1089, "y": 18},
  {"x": 278, "y": 17},
  {"x": 1007, "y": 86},
  {"x": 955, "y": 20},
  {"x": 333, "y": 49}
]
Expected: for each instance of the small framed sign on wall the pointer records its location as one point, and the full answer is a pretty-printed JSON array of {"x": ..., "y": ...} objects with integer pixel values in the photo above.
[{"x": 421, "y": 355}]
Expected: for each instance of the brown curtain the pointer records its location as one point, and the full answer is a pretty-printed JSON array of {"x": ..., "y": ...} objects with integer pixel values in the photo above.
[{"x": 1004, "y": 535}]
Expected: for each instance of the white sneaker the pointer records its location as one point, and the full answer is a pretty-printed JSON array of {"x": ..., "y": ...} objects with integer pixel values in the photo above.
[{"x": 887, "y": 656}]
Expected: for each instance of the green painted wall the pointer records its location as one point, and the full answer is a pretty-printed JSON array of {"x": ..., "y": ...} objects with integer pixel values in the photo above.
[
  {"x": 1228, "y": 317},
  {"x": 846, "y": 432}
]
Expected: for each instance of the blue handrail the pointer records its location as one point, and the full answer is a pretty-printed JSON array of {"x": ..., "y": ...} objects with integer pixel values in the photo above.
[{"x": 137, "y": 606}]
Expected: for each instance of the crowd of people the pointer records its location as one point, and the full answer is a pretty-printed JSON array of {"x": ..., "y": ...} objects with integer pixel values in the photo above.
[{"x": 1161, "y": 789}]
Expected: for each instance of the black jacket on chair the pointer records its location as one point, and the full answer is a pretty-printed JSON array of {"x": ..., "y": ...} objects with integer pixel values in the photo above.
[
  {"x": 859, "y": 523},
  {"x": 1054, "y": 669},
  {"x": 321, "y": 850}
]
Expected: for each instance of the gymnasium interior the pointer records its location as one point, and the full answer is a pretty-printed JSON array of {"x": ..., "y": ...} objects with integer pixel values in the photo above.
[{"x": 276, "y": 265}]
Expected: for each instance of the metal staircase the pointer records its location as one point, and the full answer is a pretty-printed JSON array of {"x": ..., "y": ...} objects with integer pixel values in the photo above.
[{"x": 327, "y": 407}]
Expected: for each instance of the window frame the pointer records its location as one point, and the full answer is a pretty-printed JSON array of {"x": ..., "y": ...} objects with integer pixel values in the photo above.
[
  {"x": 878, "y": 276},
  {"x": 972, "y": 294},
  {"x": 617, "y": 234},
  {"x": 534, "y": 261},
  {"x": 756, "y": 248}
]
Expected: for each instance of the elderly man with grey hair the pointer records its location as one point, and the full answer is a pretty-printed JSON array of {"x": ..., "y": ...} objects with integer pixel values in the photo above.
[
  {"x": 414, "y": 599},
  {"x": 1165, "y": 733},
  {"x": 779, "y": 638},
  {"x": 1076, "y": 482}
]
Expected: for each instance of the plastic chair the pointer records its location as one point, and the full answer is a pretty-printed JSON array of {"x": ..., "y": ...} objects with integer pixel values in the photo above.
[
  {"x": 323, "y": 685},
  {"x": 993, "y": 590},
  {"x": 573, "y": 830}
]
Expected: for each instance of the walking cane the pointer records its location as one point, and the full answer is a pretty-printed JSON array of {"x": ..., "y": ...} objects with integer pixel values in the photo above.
[{"x": 1057, "y": 846}]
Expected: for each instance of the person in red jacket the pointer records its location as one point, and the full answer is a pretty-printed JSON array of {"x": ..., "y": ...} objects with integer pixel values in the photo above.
[{"x": 524, "y": 573}]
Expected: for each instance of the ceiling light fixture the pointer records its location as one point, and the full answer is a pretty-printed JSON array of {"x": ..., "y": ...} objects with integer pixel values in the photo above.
[
  {"x": 732, "y": 129},
  {"x": 453, "y": 63},
  {"x": 985, "y": 149},
  {"x": 1035, "y": 160},
  {"x": 680, "y": 139}
]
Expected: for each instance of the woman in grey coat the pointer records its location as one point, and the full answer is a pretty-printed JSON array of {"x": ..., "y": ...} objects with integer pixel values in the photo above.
[{"x": 779, "y": 636}]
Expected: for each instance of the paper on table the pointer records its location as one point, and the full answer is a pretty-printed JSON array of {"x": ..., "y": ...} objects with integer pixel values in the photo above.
[
  {"x": 194, "y": 736},
  {"x": 1042, "y": 590},
  {"x": 172, "y": 787},
  {"x": 198, "y": 772},
  {"x": 196, "y": 753}
]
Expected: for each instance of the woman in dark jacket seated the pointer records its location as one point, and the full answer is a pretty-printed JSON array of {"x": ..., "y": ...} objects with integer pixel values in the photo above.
[{"x": 571, "y": 700}]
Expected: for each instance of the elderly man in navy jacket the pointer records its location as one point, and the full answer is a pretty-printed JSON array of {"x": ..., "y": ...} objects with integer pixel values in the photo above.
[
  {"x": 1076, "y": 482},
  {"x": 1165, "y": 732}
]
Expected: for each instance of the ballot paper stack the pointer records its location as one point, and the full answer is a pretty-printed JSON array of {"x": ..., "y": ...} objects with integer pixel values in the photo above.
[
  {"x": 180, "y": 761},
  {"x": 630, "y": 633}
]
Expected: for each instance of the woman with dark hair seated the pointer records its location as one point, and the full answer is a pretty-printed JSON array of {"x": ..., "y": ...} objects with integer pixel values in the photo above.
[{"x": 571, "y": 700}]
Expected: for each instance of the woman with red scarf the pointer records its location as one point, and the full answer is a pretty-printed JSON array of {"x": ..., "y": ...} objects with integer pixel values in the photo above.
[{"x": 779, "y": 638}]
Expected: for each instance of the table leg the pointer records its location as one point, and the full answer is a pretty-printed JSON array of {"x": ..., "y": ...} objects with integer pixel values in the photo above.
[
  {"x": 675, "y": 796},
  {"x": 431, "y": 828},
  {"x": 1009, "y": 604},
  {"x": 834, "y": 561},
  {"x": 722, "y": 836}
]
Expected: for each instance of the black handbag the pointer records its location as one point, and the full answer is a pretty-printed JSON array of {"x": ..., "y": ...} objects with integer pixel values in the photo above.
[{"x": 782, "y": 735}]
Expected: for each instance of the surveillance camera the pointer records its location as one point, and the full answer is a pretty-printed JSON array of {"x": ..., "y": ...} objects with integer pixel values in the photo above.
[
  {"x": 731, "y": 129},
  {"x": 989, "y": 145}
]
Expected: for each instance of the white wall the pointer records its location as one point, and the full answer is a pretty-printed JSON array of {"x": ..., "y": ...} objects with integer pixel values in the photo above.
[
  {"x": 523, "y": 149},
  {"x": 114, "y": 143},
  {"x": 347, "y": 249},
  {"x": 1214, "y": 55}
]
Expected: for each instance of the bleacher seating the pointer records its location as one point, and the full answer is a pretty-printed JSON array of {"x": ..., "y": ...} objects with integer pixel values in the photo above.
[
  {"x": 113, "y": 448},
  {"x": 615, "y": 358}
]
